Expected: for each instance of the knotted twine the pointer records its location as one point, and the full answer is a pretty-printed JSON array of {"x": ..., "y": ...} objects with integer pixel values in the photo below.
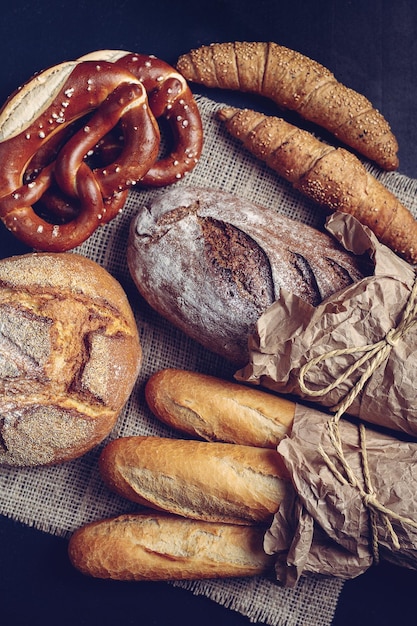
[{"x": 374, "y": 355}]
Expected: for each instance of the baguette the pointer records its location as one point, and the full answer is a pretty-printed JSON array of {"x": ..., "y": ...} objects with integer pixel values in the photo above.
[
  {"x": 211, "y": 263},
  {"x": 295, "y": 82},
  {"x": 332, "y": 177},
  {"x": 218, "y": 410},
  {"x": 157, "y": 546},
  {"x": 215, "y": 482}
]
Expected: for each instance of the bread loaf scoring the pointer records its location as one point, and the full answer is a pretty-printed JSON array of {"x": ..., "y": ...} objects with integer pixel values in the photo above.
[
  {"x": 69, "y": 357},
  {"x": 158, "y": 546},
  {"x": 212, "y": 263},
  {"x": 214, "y": 409},
  {"x": 215, "y": 482}
]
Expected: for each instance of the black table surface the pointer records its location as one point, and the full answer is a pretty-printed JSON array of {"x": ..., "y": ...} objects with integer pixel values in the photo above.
[{"x": 371, "y": 47}]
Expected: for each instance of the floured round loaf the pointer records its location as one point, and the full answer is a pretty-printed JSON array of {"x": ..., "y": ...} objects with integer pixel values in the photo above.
[
  {"x": 212, "y": 263},
  {"x": 69, "y": 357}
]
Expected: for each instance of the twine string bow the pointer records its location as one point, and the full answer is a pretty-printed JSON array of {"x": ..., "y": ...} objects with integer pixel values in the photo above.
[{"x": 373, "y": 354}]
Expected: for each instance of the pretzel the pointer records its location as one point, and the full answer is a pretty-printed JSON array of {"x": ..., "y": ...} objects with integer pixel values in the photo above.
[
  {"x": 35, "y": 116},
  {"x": 170, "y": 98},
  {"x": 57, "y": 206}
]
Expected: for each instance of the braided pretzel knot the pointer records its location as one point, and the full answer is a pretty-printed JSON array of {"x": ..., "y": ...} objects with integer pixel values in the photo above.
[
  {"x": 170, "y": 98},
  {"x": 109, "y": 94}
]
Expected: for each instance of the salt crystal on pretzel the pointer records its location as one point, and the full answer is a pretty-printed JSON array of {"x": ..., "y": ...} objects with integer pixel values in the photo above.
[
  {"x": 170, "y": 98},
  {"x": 38, "y": 113}
]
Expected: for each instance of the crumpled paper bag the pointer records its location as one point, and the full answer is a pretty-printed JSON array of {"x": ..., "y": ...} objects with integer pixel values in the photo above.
[
  {"x": 369, "y": 327},
  {"x": 325, "y": 524}
]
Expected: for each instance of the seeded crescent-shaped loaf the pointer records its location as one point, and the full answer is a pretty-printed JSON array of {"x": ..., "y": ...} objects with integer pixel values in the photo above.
[
  {"x": 212, "y": 263},
  {"x": 69, "y": 357},
  {"x": 332, "y": 177},
  {"x": 298, "y": 83}
]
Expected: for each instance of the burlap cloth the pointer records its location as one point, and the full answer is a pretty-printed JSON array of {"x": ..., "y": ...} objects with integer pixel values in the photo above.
[{"x": 58, "y": 500}]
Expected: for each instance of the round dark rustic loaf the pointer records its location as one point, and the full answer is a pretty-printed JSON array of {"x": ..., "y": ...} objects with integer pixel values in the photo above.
[
  {"x": 69, "y": 357},
  {"x": 212, "y": 263}
]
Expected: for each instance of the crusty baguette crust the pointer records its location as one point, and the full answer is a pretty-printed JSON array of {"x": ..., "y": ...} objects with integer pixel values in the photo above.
[
  {"x": 157, "y": 546},
  {"x": 333, "y": 177},
  {"x": 69, "y": 356},
  {"x": 297, "y": 83},
  {"x": 216, "y": 482},
  {"x": 213, "y": 409}
]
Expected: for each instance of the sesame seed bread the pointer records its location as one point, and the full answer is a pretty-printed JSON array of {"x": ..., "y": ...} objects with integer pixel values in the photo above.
[
  {"x": 333, "y": 178},
  {"x": 297, "y": 83}
]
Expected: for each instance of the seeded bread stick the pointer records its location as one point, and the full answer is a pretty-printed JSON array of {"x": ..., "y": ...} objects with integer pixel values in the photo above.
[
  {"x": 333, "y": 177},
  {"x": 295, "y": 82}
]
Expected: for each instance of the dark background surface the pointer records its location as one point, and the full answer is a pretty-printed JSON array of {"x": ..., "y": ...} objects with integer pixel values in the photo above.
[{"x": 371, "y": 47}]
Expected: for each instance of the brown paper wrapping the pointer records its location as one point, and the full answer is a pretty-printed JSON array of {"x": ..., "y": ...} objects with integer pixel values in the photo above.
[
  {"x": 368, "y": 313},
  {"x": 324, "y": 525}
]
